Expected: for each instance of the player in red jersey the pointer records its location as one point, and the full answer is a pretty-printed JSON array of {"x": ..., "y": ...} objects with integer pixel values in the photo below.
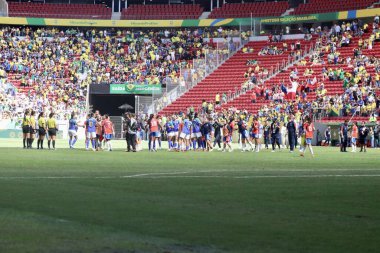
[
  {"x": 154, "y": 132},
  {"x": 99, "y": 132},
  {"x": 109, "y": 132},
  {"x": 256, "y": 134},
  {"x": 228, "y": 129},
  {"x": 309, "y": 133}
]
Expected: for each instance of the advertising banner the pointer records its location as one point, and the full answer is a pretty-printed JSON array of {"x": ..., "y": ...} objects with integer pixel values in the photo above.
[{"x": 138, "y": 89}]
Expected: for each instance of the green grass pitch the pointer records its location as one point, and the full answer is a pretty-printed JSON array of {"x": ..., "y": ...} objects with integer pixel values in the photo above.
[{"x": 84, "y": 201}]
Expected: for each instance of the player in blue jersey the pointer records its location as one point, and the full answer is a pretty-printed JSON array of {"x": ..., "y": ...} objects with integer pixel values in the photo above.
[
  {"x": 196, "y": 134},
  {"x": 73, "y": 129},
  {"x": 176, "y": 123},
  {"x": 185, "y": 134},
  {"x": 91, "y": 132},
  {"x": 169, "y": 128}
]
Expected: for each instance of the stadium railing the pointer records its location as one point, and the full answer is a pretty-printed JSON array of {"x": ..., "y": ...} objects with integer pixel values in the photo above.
[
  {"x": 189, "y": 77},
  {"x": 3, "y": 8}
]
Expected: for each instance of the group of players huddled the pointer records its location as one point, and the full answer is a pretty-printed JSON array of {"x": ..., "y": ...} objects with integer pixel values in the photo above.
[
  {"x": 190, "y": 132},
  {"x": 187, "y": 132},
  {"x": 99, "y": 131}
]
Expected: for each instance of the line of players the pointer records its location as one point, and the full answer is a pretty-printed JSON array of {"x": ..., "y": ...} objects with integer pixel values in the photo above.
[
  {"x": 44, "y": 126},
  {"x": 184, "y": 133},
  {"x": 98, "y": 130},
  {"x": 189, "y": 132}
]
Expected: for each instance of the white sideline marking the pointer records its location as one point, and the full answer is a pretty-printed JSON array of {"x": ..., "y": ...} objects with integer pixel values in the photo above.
[
  {"x": 172, "y": 174},
  {"x": 182, "y": 174},
  {"x": 156, "y": 174}
]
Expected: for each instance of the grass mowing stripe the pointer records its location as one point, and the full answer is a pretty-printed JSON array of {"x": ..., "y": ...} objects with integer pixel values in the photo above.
[{"x": 176, "y": 197}]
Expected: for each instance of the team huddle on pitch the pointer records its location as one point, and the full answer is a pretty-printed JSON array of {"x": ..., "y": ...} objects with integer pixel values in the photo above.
[{"x": 203, "y": 133}]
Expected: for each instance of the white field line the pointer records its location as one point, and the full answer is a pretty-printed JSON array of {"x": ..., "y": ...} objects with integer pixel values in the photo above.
[
  {"x": 272, "y": 176},
  {"x": 188, "y": 174}
]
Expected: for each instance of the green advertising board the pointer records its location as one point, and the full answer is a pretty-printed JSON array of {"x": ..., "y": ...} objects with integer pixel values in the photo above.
[
  {"x": 17, "y": 133},
  {"x": 301, "y": 18},
  {"x": 138, "y": 89}
]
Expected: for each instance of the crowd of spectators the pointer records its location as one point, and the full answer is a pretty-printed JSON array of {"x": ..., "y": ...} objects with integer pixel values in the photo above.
[
  {"x": 358, "y": 82},
  {"x": 50, "y": 69}
]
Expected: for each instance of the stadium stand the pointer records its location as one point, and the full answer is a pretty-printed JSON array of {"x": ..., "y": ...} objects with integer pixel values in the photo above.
[
  {"x": 338, "y": 79},
  {"x": 321, "y": 6},
  {"x": 173, "y": 11},
  {"x": 338, "y": 84},
  {"x": 260, "y": 9},
  {"x": 41, "y": 10},
  {"x": 54, "y": 73},
  {"x": 228, "y": 78}
]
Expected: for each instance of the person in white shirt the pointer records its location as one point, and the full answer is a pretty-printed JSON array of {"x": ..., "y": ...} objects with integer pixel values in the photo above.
[
  {"x": 284, "y": 136},
  {"x": 293, "y": 89},
  {"x": 337, "y": 29}
]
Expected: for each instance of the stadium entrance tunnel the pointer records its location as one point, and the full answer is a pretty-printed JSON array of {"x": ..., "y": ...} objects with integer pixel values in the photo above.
[{"x": 109, "y": 104}]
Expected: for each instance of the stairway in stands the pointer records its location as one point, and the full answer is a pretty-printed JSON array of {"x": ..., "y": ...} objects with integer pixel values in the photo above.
[{"x": 229, "y": 77}]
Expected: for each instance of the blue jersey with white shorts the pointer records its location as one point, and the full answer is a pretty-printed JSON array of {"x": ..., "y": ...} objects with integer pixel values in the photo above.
[
  {"x": 196, "y": 126},
  {"x": 169, "y": 126},
  {"x": 175, "y": 125},
  {"x": 186, "y": 127},
  {"x": 73, "y": 125},
  {"x": 91, "y": 125}
]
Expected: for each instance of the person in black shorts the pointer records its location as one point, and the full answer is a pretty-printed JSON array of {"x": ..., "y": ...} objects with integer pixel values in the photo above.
[
  {"x": 217, "y": 133},
  {"x": 343, "y": 133},
  {"x": 363, "y": 133},
  {"x": 266, "y": 134},
  {"x": 26, "y": 129},
  {"x": 32, "y": 128},
  {"x": 52, "y": 130},
  {"x": 41, "y": 130},
  {"x": 275, "y": 134}
]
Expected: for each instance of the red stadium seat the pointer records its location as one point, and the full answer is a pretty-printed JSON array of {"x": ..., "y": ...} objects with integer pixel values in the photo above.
[
  {"x": 321, "y": 6},
  {"x": 80, "y": 11},
  {"x": 182, "y": 11},
  {"x": 260, "y": 9}
]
